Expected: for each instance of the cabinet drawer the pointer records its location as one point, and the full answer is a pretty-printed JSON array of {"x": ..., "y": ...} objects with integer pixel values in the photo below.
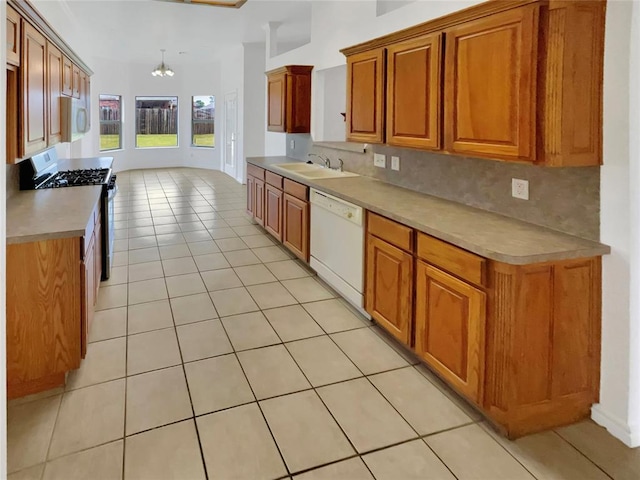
[
  {"x": 273, "y": 179},
  {"x": 254, "y": 171},
  {"x": 296, "y": 189},
  {"x": 464, "y": 264},
  {"x": 393, "y": 232}
]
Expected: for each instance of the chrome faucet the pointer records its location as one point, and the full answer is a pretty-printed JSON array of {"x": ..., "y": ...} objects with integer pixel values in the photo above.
[
  {"x": 341, "y": 166},
  {"x": 327, "y": 162}
]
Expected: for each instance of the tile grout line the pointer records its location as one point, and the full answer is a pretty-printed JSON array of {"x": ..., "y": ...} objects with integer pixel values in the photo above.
[
  {"x": 264, "y": 418},
  {"x": 583, "y": 454}
]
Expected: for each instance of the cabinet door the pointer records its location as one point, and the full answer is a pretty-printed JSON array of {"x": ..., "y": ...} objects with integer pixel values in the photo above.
[
  {"x": 67, "y": 76},
  {"x": 34, "y": 90},
  {"x": 490, "y": 80},
  {"x": 413, "y": 93},
  {"x": 258, "y": 202},
  {"x": 54, "y": 77},
  {"x": 295, "y": 232},
  {"x": 85, "y": 95},
  {"x": 88, "y": 294},
  {"x": 251, "y": 193},
  {"x": 365, "y": 97},
  {"x": 276, "y": 90},
  {"x": 75, "y": 81},
  {"x": 273, "y": 211},
  {"x": 450, "y": 325},
  {"x": 13, "y": 37},
  {"x": 389, "y": 287}
]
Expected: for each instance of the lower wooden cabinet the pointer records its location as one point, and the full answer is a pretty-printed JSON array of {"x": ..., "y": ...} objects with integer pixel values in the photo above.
[
  {"x": 295, "y": 231},
  {"x": 258, "y": 202},
  {"x": 522, "y": 342},
  {"x": 389, "y": 287},
  {"x": 51, "y": 299},
  {"x": 251, "y": 194},
  {"x": 450, "y": 322},
  {"x": 273, "y": 211}
]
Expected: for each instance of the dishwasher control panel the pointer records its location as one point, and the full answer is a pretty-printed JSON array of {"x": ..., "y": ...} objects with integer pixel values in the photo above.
[{"x": 338, "y": 207}]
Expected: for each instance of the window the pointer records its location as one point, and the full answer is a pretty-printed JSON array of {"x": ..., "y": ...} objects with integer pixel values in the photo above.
[
  {"x": 110, "y": 122},
  {"x": 156, "y": 122},
  {"x": 203, "y": 109}
]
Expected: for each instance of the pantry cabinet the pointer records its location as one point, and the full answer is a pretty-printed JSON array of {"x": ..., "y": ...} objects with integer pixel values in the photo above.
[
  {"x": 515, "y": 81},
  {"x": 414, "y": 85},
  {"x": 450, "y": 322},
  {"x": 490, "y": 74},
  {"x": 13, "y": 37},
  {"x": 365, "y": 96},
  {"x": 289, "y": 99}
]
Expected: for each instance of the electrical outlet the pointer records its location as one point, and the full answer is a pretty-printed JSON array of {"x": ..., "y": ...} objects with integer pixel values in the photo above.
[
  {"x": 380, "y": 160},
  {"x": 520, "y": 188},
  {"x": 395, "y": 163},
  {"x": 293, "y": 144}
]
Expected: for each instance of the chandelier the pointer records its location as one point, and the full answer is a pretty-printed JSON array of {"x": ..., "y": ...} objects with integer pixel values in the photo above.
[{"x": 162, "y": 70}]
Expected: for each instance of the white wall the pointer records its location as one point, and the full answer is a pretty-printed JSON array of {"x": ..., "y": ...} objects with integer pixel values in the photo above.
[
  {"x": 355, "y": 22},
  {"x": 131, "y": 80},
  {"x": 254, "y": 87},
  {"x": 619, "y": 407},
  {"x": 333, "y": 95}
]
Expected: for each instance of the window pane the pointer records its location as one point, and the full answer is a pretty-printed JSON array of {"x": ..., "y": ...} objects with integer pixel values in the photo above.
[
  {"x": 156, "y": 122},
  {"x": 110, "y": 122},
  {"x": 203, "y": 109}
]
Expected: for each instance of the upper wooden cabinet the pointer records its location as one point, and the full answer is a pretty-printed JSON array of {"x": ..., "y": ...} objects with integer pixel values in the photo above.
[
  {"x": 413, "y": 92},
  {"x": 34, "y": 90},
  {"x": 518, "y": 81},
  {"x": 67, "y": 76},
  {"x": 54, "y": 81},
  {"x": 75, "y": 81},
  {"x": 289, "y": 99},
  {"x": 85, "y": 94},
  {"x": 13, "y": 36},
  {"x": 365, "y": 97},
  {"x": 490, "y": 76}
]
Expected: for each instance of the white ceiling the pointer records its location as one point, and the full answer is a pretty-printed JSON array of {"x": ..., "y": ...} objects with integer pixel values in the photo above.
[{"x": 136, "y": 30}]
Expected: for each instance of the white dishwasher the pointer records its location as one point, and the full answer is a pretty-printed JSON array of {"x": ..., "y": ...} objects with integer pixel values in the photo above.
[{"x": 337, "y": 245}]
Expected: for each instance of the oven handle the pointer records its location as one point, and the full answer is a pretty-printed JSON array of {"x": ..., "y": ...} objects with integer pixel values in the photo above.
[{"x": 112, "y": 192}]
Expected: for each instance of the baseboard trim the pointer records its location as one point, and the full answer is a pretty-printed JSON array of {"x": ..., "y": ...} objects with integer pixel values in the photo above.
[{"x": 629, "y": 435}]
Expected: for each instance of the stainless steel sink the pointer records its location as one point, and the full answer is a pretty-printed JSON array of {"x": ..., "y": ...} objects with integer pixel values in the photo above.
[{"x": 312, "y": 171}]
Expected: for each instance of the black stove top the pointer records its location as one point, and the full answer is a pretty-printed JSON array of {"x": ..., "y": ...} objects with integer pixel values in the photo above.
[{"x": 75, "y": 178}]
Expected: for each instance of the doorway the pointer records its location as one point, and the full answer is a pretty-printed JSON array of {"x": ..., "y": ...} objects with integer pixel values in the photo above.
[{"x": 230, "y": 160}]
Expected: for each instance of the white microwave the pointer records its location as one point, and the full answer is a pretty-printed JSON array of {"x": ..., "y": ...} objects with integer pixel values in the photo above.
[{"x": 75, "y": 119}]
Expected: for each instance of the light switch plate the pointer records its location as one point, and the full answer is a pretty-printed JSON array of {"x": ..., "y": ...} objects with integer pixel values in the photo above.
[
  {"x": 293, "y": 144},
  {"x": 395, "y": 163},
  {"x": 380, "y": 160},
  {"x": 520, "y": 188}
]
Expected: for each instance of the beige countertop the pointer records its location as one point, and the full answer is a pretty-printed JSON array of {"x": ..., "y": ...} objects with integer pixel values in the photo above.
[
  {"x": 35, "y": 215},
  {"x": 487, "y": 234}
]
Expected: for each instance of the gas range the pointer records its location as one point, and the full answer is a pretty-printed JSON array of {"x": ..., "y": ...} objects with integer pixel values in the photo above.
[
  {"x": 76, "y": 178},
  {"x": 41, "y": 171}
]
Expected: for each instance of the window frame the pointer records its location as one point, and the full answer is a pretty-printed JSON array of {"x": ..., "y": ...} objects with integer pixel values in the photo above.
[
  {"x": 120, "y": 121},
  {"x": 135, "y": 123},
  {"x": 193, "y": 145}
]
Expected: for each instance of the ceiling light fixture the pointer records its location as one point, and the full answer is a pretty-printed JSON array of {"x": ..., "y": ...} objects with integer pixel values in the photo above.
[{"x": 162, "y": 70}]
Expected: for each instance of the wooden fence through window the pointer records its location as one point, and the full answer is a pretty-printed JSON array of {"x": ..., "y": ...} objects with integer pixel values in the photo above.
[{"x": 156, "y": 121}]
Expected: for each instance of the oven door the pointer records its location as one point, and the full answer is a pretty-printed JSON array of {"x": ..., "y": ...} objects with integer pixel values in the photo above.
[{"x": 108, "y": 226}]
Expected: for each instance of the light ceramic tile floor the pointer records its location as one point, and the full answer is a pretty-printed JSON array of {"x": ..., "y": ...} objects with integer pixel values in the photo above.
[{"x": 215, "y": 354}]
